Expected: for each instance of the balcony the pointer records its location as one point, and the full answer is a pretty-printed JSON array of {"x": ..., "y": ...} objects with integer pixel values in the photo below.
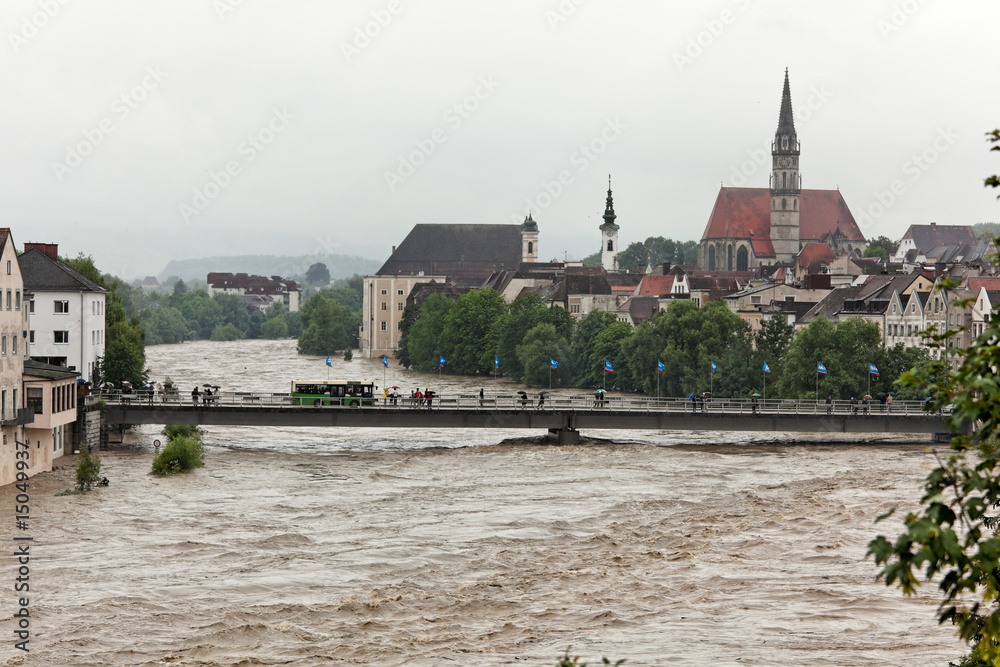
[{"x": 24, "y": 416}]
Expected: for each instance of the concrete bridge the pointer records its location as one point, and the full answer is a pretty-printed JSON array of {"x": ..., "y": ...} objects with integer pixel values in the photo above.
[{"x": 561, "y": 416}]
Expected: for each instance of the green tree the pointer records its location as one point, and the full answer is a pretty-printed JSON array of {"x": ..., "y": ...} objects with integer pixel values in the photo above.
[
  {"x": 424, "y": 340},
  {"x": 845, "y": 349},
  {"x": 88, "y": 470},
  {"x": 225, "y": 332},
  {"x": 609, "y": 343},
  {"x": 202, "y": 312},
  {"x": 327, "y": 326},
  {"x": 583, "y": 345},
  {"x": 255, "y": 320},
  {"x": 233, "y": 311},
  {"x": 274, "y": 328},
  {"x": 695, "y": 337},
  {"x": 510, "y": 329},
  {"x": 166, "y": 325},
  {"x": 540, "y": 344},
  {"x": 468, "y": 340},
  {"x": 772, "y": 341},
  {"x": 318, "y": 274},
  {"x": 882, "y": 246}
]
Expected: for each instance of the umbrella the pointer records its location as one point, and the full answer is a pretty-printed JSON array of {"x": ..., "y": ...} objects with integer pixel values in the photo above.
[
  {"x": 868, "y": 397},
  {"x": 207, "y": 384},
  {"x": 755, "y": 395},
  {"x": 394, "y": 387},
  {"x": 523, "y": 394},
  {"x": 542, "y": 393},
  {"x": 691, "y": 397},
  {"x": 600, "y": 391}
]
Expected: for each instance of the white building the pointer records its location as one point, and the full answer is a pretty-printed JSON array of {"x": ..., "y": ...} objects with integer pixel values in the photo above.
[
  {"x": 67, "y": 311},
  {"x": 256, "y": 291}
]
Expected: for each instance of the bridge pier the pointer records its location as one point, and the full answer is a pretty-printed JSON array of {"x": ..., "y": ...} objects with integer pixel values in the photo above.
[{"x": 564, "y": 436}]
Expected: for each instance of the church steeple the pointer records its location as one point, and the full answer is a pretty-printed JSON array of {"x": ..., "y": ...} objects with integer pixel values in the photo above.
[
  {"x": 609, "y": 207},
  {"x": 609, "y": 231},
  {"x": 786, "y": 183},
  {"x": 785, "y": 137}
]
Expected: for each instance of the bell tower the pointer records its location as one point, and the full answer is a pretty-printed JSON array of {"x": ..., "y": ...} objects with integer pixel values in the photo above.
[
  {"x": 529, "y": 240},
  {"x": 786, "y": 183},
  {"x": 609, "y": 235}
]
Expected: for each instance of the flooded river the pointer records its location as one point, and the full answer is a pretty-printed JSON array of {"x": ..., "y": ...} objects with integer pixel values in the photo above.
[{"x": 372, "y": 547}]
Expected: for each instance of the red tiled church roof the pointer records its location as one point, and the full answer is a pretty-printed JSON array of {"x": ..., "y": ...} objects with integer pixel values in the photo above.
[{"x": 745, "y": 213}]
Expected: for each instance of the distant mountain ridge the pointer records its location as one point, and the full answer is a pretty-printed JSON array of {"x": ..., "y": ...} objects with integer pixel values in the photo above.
[{"x": 340, "y": 266}]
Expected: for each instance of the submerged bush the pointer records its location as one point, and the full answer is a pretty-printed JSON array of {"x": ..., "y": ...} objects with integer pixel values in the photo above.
[
  {"x": 181, "y": 454},
  {"x": 181, "y": 430},
  {"x": 88, "y": 470}
]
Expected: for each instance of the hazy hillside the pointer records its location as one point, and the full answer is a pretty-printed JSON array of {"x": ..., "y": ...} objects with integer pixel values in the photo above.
[{"x": 340, "y": 266}]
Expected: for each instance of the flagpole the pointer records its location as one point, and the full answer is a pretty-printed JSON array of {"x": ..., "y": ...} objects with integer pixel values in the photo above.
[
  {"x": 764, "y": 373},
  {"x": 817, "y": 385}
]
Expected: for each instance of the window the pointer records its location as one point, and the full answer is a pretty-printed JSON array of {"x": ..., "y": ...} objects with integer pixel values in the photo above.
[
  {"x": 3, "y": 345},
  {"x": 399, "y": 292},
  {"x": 93, "y": 307},
  {"x": 93, "y": 338},
  {"x": 742, "y": 260},
  {"x": 711, "y": 258},
  {"x": 574, "y": 308},
  {"x": 611, "y": 246},
  {"x": 34, "y": 397},
  {"x": 31, "y": 305},
  {"x": 383, "y": 326},
  {"x": 31, "y": 336},
  {"x": 913, "y": 307},
  {"x": 13, "y": 344},
  {"x": 61, "y": 336},
  {"x": 61, "y": 306},
  {"x": 9, "y": 299},
  {"x": 399, "y": 306},
  {"x": 8, "y": 267},
  {"x": 531, "y": 248},
  {"x": 384, "y": 292},
  {"x": 17, "y": 299},
  {"x": 385, "y": 306},
  {"x": 755, "y": 300}
]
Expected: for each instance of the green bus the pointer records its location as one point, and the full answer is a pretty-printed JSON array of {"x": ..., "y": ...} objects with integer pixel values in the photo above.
[{"x": 351, "y": 393}]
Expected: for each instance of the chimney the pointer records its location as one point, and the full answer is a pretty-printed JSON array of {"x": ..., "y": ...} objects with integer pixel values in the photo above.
[
  {"x": 50, "y": 249},
  {"x": 393, "y": 250},
  {"x": 933, "y": 225}
]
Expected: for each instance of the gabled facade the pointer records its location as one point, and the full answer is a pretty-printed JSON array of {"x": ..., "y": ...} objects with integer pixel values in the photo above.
[
  {"x": 67, "y": 311},
  {"x": 13, "y": 352}
]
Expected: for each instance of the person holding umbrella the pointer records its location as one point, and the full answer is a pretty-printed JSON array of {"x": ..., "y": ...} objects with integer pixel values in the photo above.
[
  {"x": 524, "y": 398},
  {"x": 541, "y": 399}
]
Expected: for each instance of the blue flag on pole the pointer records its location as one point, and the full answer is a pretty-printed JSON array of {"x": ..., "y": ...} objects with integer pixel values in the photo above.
[
  {"x": 496, "y": 362},
  {"x": 820, "y": 368},
  {"x": 553, "y": 363},
  {"x": 659, "y": 365},
  {"x": 385, "y": 361},
  {"x": 607, "y": 366},
  {"x": 328, "y": 360},
  {"x": 440, "y": 361},
  {"x": 713, "y": 367},
  {"x": 872, "y": 369},
  {"x": 767, "y": 369}
]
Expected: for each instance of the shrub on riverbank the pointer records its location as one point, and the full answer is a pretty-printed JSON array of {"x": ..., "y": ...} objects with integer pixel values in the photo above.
[
  {"x": 184, "y": 451},
  {"x": 88, "y": 470}
]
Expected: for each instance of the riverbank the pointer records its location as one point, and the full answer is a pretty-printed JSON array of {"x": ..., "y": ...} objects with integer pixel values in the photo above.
[{"x": 492, "y": 555}]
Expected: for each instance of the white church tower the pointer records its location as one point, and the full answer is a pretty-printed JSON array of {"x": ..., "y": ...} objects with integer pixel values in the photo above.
[
  {"x": 609, "y": 235},
  {"x": 529, "y": 240}
]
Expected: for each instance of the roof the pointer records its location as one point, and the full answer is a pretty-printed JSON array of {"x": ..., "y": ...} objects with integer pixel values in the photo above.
[
  {"x": 655, "y": 285},
  {"x": 39, "y": 369},
  {"x": 926, "y": 237},
  {"x": 745, "y": 213},
  {"x": 640, "y": 308},
  {"x": 42, "y": 273},
  {"x": 815, "y": 252},
  {"x": 991, "y": 284},
  {"x": 832, "y": 304},
  {"x": 467, "y": 253}
]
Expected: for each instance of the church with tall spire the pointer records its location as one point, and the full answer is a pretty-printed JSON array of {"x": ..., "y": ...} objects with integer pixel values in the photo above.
[
  {"x": 753, "y": 227},
  {"x": 609, "y": 234}
]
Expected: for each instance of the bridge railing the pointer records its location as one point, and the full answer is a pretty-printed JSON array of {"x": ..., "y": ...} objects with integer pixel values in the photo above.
[{"x": 562, "y": 402}]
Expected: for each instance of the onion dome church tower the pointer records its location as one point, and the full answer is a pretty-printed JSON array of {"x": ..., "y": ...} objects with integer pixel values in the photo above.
[
  {"x": 609, "y": 235},
  {"x": 529, "y": 240},
  {"x": 786, "y": 183}
]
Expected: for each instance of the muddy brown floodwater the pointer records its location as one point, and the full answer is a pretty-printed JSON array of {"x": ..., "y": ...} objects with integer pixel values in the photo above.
[{"x": 419, "y": 550}]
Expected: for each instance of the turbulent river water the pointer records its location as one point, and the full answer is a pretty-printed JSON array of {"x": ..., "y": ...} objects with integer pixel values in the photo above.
[{"x": 374, "y": 547}]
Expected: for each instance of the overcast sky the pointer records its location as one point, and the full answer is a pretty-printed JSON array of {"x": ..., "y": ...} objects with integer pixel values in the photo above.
[{"x": 139, "y": 131}]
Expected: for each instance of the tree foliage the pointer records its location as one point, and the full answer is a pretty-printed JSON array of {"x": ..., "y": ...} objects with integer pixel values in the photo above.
[
  {"x": 953, "y": 540},
  {"x": 881, "y": 246},
  {"x": 327, "y": 326}
]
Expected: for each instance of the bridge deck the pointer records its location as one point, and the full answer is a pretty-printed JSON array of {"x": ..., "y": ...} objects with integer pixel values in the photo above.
[{"x": 561, "y": 413}]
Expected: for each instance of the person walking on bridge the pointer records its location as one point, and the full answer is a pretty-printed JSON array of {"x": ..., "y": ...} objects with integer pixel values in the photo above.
[{"x": 195, "y": 394}]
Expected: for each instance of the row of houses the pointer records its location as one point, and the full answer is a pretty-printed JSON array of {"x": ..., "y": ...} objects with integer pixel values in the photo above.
[{"x": 51, "y": 336}]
